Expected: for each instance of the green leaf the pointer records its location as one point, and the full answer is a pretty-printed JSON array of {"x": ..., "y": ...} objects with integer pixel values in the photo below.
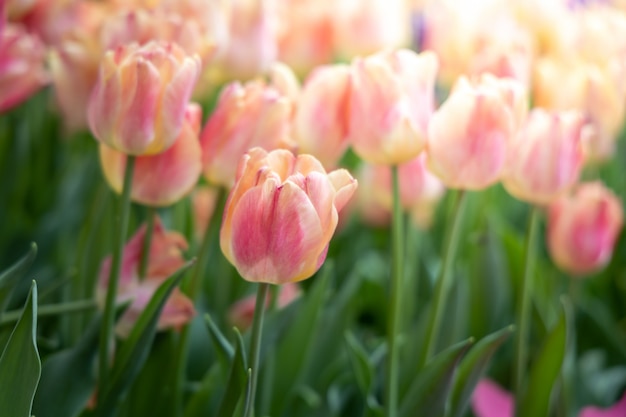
[
  {"x": 68, "y": 379},
  {"x": 198, "y": 404},
  {"x": 10, "y": 276},
  {"x": 428, "y": 394},
  {"x": 545, "y": 370},
  {"x": 20, "y": 367},
  {"x": 237, "y": 380},
  {"x": 363, "y": 369},
  {"x": 472, "y": 368},
  {"x": 224, "y": 349},
  {"x": 134, "y": 351}
]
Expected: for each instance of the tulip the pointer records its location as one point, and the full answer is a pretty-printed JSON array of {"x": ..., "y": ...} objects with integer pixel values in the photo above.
[
  {"x": 320, "y": 123},
  {"x": 391, "y": 101},
  {"x": 490, "y": 400},
  {"x": 583, "y": 227},
  {"x": 204, "y": 200},
  {"x": 241, "y": 313},
  {"x": 165, "y": 258},
  {"x": 470, "y": 133},
  {"x": 281, "y": 214},
  {"x": 138, "y": 104},
  {"x": 254, "y": 114},
  {"x": 163, "y": 179},
  {"x": 545, "y": 157},
  {"x": 21, "y": 66}
]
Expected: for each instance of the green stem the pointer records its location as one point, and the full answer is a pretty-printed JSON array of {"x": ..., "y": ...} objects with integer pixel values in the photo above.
[
  {"x": 147, "y": 241},
  {"x": 524, "y": 303},
  {"x": 51, "y": 310},
  {"x": 442, "y": 286},
  {"x": 395, "y": 306},
  {"x": 106, "y": 333},
  {"x": 255, "y": 346}
]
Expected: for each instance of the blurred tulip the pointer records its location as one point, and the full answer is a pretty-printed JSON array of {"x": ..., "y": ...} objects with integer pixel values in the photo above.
[
  {"x": 241, "y": 314},
  {"x": 490, "y": 400},
  {"x": 204, "y": 200},
  {"x": 281, "y": 215},
  {"x": 470, "y": 133},
  {"x": 363, "y": 27},
  {"x": 22, "y": 70},
  {"x": 283, "y": 79},
  {"x": 545, "y": 157},
  {"x": 74, "y": 68},
  {"x": 254, "y": 114},
  {"x": 583, "y": 227},
  {"x": 320, "y": 124},
  {"x": 160, "y": 180},
  {"x": 138, "y": 104},
  {"x": 391, "y": 102},
  {"x": 165, "y": 258}
]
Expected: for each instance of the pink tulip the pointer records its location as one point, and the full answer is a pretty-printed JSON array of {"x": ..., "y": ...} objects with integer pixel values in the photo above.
[
  {"x": 254, "y": 114},
  {"x": 490, "y": 400},
  {"x": 204, "y": 200},
  {"x": 470, "y": 133},
  {"x": 138, "y": 104},
  {"x": 320, "y": 123},
  {"x": 160, "y": 180},
  {"x": 545, "y": 157},
  {"x": 281, "y": 215},
  {"x": 583, "y": 227},
  {"x": 391, "y": 102},
  {"x": 241, "y": 314},
  {"x": 165, "y": 258},
  {"x": 21, "y": 66}
]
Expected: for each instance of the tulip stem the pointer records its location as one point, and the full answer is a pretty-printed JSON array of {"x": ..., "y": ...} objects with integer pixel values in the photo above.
[
  {"x": 106, "y": 332},
  {"x": 524, "y": 303},
  {"x": 395, "y": 314},
  {"x": 442, "y": 286},
  {"x": 145, "y": 250},
  {"x": 255, "y": 346}
]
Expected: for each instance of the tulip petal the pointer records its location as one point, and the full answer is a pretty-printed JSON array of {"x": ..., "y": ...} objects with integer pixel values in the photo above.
[
  {"x": 617, "y": 410},
  {"x": 344, "y": 185},
  {"x": 489, "y": 400}
]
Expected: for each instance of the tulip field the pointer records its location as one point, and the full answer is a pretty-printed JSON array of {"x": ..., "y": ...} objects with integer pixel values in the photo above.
[{"x": 312, "y": 208}]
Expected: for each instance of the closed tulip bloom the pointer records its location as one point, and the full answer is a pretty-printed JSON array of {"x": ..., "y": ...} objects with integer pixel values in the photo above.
[
  {"x": 320, "y": 124},
  {"x": 21, "y": 66},
  {"x": 138, "y": 104},
  {"x": 583, "y": 228},
  {"x": 241, "y": 314},
  {"x": 470, "y": 133},
  {"x": 165, "y": 258},
  {"x": 281, "y": 215},
  {"x": 254, "y": 114},
  {"x": 391, "y": 102},
  {"x": 163, "y": 179},
  {"x": 546, "y": 156},
  {"x": 204, "y": 200}
]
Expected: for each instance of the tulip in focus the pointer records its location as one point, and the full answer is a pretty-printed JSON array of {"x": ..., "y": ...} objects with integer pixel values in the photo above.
[
  {"x": 254, "y": 114},
  {"x": 22, "y": 70},
  {"x": 545, "y": 157},
  {"x": 281, "y": 215},
  {"x": 160, "y": 180},
  {"x": 583, "y": 227},
  {"x": 241, "y": 314},
  {"x": 391, "y": 102},
  {"x": 138, "y": 104},
  {"x": 489, "y": 400},
  {"x": 320, "y": 123},
  {"x": 470, "y": 133},
  {"x": 165, "y": 258}
]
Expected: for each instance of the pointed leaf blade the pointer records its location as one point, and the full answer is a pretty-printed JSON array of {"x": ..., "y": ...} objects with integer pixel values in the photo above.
[{"x": 10, "y": 276}]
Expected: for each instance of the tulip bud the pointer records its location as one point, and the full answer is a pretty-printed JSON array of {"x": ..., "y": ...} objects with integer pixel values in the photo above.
[
  {"x": 165, "y": 258},
  {"x": 545, "y": 157},
  {"x": 391, "y": 101},
  {"x": 204, "y": 200},
  {"x": 254, "y": 114},
  {"x": 163, "y": 179},
  {"x": 21, "y": 66},
  {"x": 281, "y": 215},
  {"x": 583, "y": 228},
  {"x": 138, "y": 104},
  {"x": 241, "y": 314},
  {"x": 470, "y": 132},
  {"x": 490, "y": 400},
  {"x": 320, "y": 123}
]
